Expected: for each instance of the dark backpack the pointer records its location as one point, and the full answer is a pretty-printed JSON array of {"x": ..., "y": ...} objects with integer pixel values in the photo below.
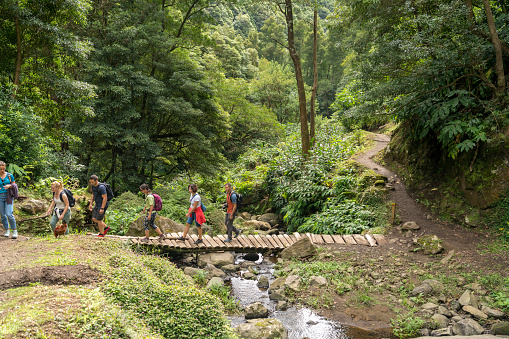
[
  {"x": 70, "y": 197},
  {"x": 109, "y": 191},
  {"x": 158, "y": 202},
  {"x": 240, "y": 201}
]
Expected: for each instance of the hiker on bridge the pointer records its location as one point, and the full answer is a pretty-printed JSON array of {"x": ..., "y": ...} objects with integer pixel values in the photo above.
[
  {"x": 150, "y": 207},
  {"x": 195, "y": 214},
  {"x": 101, "y": 204},
  {"x": 59, "y": 207},
  {"x": 8, "y": 192},
  {"x": 231, "y": 212}
]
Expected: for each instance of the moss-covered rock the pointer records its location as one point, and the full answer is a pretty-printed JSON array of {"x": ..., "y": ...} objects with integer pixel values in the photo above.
[{"x": 429, "y": 244}]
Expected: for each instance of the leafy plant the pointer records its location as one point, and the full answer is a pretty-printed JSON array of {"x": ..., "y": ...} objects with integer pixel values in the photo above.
[{"x": 407, "y": 326}]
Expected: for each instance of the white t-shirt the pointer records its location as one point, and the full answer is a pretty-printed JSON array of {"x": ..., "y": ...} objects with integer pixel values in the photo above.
[{"x": 195, "y": 197}]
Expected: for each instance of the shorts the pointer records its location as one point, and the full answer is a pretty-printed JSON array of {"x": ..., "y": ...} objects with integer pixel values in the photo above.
[
  {"x": 147, "y": 223},
  {"x": 193, "y": 218},
  {"x": 95, "y": 213}
]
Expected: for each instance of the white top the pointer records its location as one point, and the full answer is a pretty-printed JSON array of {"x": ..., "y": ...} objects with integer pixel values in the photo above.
[
  {"x": 59, "y": 204},
  {"x": 195, "y": 197}
]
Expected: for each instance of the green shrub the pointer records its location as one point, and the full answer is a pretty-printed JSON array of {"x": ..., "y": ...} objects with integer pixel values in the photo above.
[{"x": 165, "y": 298}]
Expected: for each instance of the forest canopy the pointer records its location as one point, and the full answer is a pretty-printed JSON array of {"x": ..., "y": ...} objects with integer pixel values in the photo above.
[{"x": 144, "y": 90}]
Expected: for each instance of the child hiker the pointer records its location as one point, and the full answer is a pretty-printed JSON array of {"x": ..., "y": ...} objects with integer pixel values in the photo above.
[{"x": 151, "y": 213}]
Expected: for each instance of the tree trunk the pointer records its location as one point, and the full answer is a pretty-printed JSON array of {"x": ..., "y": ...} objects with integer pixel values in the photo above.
[
  {"x": 17, "y": 71},
  {"x": 304, "y": 131},
  {"x": 315, "y": 80},
  {"x": 499, "y": 65}
]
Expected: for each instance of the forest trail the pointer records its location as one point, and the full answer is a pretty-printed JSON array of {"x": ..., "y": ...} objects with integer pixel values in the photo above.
[{"x": 465, "y": 242}]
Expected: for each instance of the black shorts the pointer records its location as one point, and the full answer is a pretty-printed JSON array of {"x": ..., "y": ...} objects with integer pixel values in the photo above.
[{"x": 95, "y": 213}]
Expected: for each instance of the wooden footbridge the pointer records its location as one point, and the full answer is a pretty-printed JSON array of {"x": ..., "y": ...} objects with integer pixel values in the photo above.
[{"x": 250, "y": 243}]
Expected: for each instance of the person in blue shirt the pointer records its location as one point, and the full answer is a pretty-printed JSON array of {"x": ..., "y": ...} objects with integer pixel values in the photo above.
[
  {"x": 6, "y": 209},
  {"x": 101, "y": 204}
]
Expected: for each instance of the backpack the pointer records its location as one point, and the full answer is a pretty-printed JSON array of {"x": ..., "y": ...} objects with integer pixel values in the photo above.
[
  {"x": 240, "y": 201},
  {"x": 158, "y": 202},
  {"x": 70, "y": 197},
  {"x": 109, "y": 191}
]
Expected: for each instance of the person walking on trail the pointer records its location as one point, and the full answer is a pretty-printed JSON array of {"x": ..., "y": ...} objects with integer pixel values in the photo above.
[
  {"x": 151, "y": 213},
  {"x": 231, "y": 212},
  {"x": 195, "y": 214},
  {"x": 59, "y": 207},
  {"x": 8, "y": 192},
  {"x": 101, "y": 204}
]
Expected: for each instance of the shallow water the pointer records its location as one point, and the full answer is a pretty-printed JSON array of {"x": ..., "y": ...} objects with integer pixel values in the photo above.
[{"x": 300, "y": 322}]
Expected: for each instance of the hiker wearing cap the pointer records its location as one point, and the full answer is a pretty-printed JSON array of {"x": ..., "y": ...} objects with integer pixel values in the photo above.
[
  {"x": 151, "y": 213},
  {"x": 195, "y": 214},
  {"x": 59, "y": 207}
]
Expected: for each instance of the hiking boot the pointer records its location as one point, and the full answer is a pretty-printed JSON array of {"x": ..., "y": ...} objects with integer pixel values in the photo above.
[
  {"x": 7, "y": 233},
  {"x": 199, "y": 241},
  {"x": 15, "y": 234},
  {"x": 145, "y": 240},
  {"x": 238, "y": 233},
  {"x": 228, "y": 240},
  {"x": 106, "y": 230},
  {"x": 162, "y": 236},
  {"x": 181, "y": 238}
]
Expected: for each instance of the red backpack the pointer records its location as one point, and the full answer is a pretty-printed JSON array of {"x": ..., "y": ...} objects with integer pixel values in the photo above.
[{"x": 158, "y": 202}]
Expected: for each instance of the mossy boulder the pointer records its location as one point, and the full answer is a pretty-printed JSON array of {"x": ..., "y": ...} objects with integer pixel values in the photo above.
[{"x": 429, "y": 244}]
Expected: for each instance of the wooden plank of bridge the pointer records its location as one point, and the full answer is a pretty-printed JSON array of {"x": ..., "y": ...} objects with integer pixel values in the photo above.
[
  {"x": 276, "y": 244},
  {"x": 294, "y": 239},
  {"x": 236, "y": 243},
  {"x": 289, "y": 239},
  {"x": 349, "y": 239},
  {"x": 310, "y": 237},
  {"x": 328, "y": 239},
  {"x": 272, "y": 241},
  {"x": 318, "y": 238},
  {"x": 171, "y": 243},
  {"x": 360, "y": 239},
  {"x": 247, "y": 241},
  {"x": 180, "y": 244},
  {"x": 261, "y": 240},
  {"x": 380, "y": 239},
  {"x": 223, "y": 238},
  {"x": 283, "y": 241},
  {"x": 267, "y": 242},
  {"x": 255, "y": 242},
  {"x": 242, "y": 241},
  {"x": 297, "y": 236},
  {"x": 207, "y": 242},
  {"x": 220, "y": 243},
  {"x": 194, "y": 238},
  {"x": 211, "y": 241},
  {"x": 338, "y": 239},
  {"x": 371, "y": 240}
]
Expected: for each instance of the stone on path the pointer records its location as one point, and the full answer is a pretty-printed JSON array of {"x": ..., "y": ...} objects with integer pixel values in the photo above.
[
  {"x": 442, "y": 332},
  {"x": 216, "y": 259},
  {"x": 468, "y": 299},
  {"x": 444, "y": 311},
  {"x": 277, "y": 295},
  {"x": 301, "y": 249},
  {"x": 282, "y": 305},
  {"x": 249, "y": 275},
  {"x": 277, "y": 284},
  {"x": 429, "y": 306},
  {"x": 255, "y": 311},
  {"x": 448, "y": 257},
  {"x": 491, "y": 312},
  {"x": 429, "y": 244},
  {"x": 191, "y": 271},
  {"x": 501, "y": 328},
  {"x": 410, "y": 226},
  {"x": 467, "y": 327},
  {"x": 292, "y": 282},
  {"x": 475, "y": 312},
  {"x": 427, "y": 287},
  {"x": 213, "y": 271},
  {"x": 441, "y": 320},
  {"x": 230, "y": 268},
  {"x": 215, "y": 281},
  {"x": 317, "y": 281},
  {"x": 262, "y": 329}
]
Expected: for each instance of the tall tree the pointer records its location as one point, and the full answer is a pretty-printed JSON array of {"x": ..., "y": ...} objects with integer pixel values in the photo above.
[
  {"x": 287, "y": 9},
  {"x": 312, "y": 101},
  {"x": 499, "y": 60}
]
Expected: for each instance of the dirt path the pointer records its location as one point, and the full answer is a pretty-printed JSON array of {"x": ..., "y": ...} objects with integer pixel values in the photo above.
[{"x": 455, "y": 237}]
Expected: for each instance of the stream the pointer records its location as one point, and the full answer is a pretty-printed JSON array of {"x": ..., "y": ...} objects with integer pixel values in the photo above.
[{"x": 301, "y": 322}]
